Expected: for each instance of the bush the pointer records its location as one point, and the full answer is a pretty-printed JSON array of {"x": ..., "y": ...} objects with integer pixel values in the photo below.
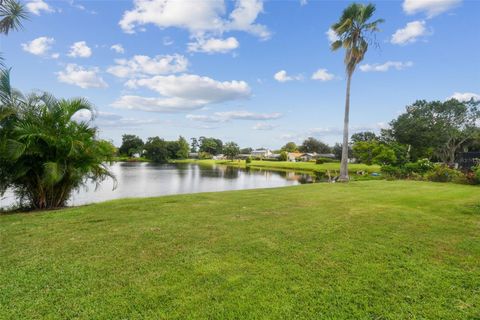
[
  {"x": 283, "y": 156},
  {"x": 394, "y": 172},
  {"x": 420, "y": 167},
  {"x": 248, "y": 160},
  {"x": 325, "y": 160},
  {"x": 442, "y": 173}
]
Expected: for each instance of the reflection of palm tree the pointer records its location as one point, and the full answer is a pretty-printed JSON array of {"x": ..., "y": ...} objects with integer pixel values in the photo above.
[{"x": 351, "y": 30}]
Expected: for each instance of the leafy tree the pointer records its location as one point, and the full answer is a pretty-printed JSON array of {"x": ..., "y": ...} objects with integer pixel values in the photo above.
[
  {"x": 375, "y": 152},
  {"x": 352, "y": 30},
  {"x": 363, "y": 136},
  {"x": 246, "y": 150},
  {"x": 312, "y": 145},
  {"x": 283, "y": 156},
  {"x": 131, "y": 144},
  {"x": 211, "y": 145},
  {"x": 436, "y": 128},
  {"x": 183, "y": 148},
  {"x": 290, "y": 147},
  {"x": 337, "y": 150},
  {"x": 156, "y": 150},
  {"x": 231, "y": 150},
  {"x": 44, "y": 154},
  {"x": 194, "y": 145}
]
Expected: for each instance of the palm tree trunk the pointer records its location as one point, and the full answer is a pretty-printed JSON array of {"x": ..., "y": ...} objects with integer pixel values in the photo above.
[{"x": 344, "y": 163}]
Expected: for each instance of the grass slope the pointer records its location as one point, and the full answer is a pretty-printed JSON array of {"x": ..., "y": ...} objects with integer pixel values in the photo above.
[{"x": 364, "y": 250}]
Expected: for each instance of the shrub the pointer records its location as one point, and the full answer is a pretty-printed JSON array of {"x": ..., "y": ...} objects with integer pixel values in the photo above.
[
  {"x": 248, "y": 160},
  {"x": 319, "y": 161},
  {"x": 421, "y": 166},
  {"x": 442, "y": 173},
  {"x": 283, "y": 156},
  {"x": 325, "y": 160},
  {"x": 394, "y": 172}
]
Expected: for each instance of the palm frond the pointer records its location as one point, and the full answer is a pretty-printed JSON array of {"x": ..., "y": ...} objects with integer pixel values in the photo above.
[{"x": 12, "y": 13}]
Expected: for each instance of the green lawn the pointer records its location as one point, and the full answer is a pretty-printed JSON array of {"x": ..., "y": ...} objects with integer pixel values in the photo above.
[
  {"x": 286, "y": 165},
  {"x": 364, "y": 250}
]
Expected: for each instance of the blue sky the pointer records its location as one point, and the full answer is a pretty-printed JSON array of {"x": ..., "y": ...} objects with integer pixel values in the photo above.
[{"x": 256, "y": 72}]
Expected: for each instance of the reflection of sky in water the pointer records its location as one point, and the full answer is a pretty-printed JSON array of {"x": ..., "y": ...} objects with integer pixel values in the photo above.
[{"x": 148, "y": 180}]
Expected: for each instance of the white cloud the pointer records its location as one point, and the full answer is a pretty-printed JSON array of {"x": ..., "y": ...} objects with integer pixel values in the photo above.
[
  {"x": 81, "y": 76},
  {"x": 430, "y": 7},
  {"x": 37, "y": 6},
  {"x": 303, "y": 2},
  {"x": 412, "y": 31},
  {"x": 182, "y": 93},
  {"x": 208, "y": 16},
  {"x": 263, "y": 126},
  {"x": 167, "y": 41},
  {"x": 213, "y": 45},
  {"x": 323, "y": 75},
  {"x": 233, "y": 115},
  {"x": 109, "y": 119},
  {"x": 465, "y": 96},
  {"x": 145, "y": 66},
  {"x": 282, "y": 76},
  {"x": 331, "y": 35},
  {"x": 118, "y": 48},
  {"x": 80, "y": 49},
  {"x": 398, "y": 65},
  {"x": 39, "y": 46}
]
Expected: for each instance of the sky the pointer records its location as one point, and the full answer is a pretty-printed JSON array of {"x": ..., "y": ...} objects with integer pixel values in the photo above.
[{"x": 260, "y": 73}]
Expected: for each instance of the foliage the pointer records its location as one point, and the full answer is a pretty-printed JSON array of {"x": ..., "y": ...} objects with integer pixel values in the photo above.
[
  {"x": 364, "y": 136},
  {"x": 322, "y": 160},
  {"x": 210, "y": 145},
  {"x": 204, "y": 155},
  {"x": 131, "y": 144},
  {"x": 375, "y": 152},
  {"x": 337, "y": 151},
  {"x": 289, "y": 147},
  {"x": 248, "y": 160},
  {"x": 442, "y": 173},
  {"x": 156, "y": 150},
  {"x": 436, "y": 128},
  {"x": 45, "y": 155},
  {"x": 283, "y": 156},
  {"x": 246, "y": 150},
  {"x": 231, "y": 150},
  {"x": 194, "y": 145},
  {"x": 183, "y": 148},
  {"x": 12, "y": 13},
  {"x": 311, "y": 145}
]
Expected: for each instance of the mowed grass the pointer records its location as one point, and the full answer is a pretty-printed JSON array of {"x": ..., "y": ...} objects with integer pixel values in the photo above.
[
  {"x": 363, "y": 250},
  {"x": 287, "y": 165}
]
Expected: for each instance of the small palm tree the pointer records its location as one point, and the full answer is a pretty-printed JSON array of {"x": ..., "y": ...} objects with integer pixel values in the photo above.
[
  {"x": 353, "y": 30},
  {"x": 44, "y": 154}
]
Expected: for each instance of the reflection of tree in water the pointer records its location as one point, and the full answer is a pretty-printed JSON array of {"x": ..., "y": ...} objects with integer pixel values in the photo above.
[{"x": 230, "y": 173}]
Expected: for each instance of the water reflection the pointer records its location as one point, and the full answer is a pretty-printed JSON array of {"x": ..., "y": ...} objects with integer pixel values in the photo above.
[{"x": 148, "y": 180}]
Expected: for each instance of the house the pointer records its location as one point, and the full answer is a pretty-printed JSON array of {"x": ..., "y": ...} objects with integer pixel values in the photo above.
[
  {"x": 326, "y": 155},
  {"x": 261, "y": 153},
  {"x": 308, "y": 156},
  {"x": 193, "y": 155},
  {"x": 219, "y": 157},
  {"x": 294, "y": 156}
]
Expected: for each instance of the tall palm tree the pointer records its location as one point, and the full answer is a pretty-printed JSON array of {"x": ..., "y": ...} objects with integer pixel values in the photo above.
[
  {"x": 12, "y": 13},
  {"x": 353, "y": 31}
]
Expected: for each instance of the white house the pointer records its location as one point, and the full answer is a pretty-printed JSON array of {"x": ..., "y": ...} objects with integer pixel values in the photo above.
[{"x": 261, "y": 153}]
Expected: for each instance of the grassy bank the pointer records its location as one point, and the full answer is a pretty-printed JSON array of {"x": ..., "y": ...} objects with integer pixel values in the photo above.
[
  {"x": 364, "y": 250},
  {"x": 285, "y": 165}
]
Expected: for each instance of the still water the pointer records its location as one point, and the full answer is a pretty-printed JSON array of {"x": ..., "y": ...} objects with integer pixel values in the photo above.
[{"x": 135, "y": 180}]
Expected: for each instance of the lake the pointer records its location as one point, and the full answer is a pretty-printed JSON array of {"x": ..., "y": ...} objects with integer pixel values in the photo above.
[{"x": 136, "y": 180}]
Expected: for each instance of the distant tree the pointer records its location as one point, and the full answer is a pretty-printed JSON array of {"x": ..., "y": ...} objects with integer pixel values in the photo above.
[
  {"x": 353, "y": 30},
  {"x": 311, "y": 145},
  {"x": 376, "y": 152},
  {"x": 283, "y": 156},
  {"x": 183, "y": 148},
  {"x": 290, "y": 147},
  {"x": 231, "y": 150},
  {"x": 211, "y": 145},
  {"x": 194, "y": 145},
  {"x": 156, "y": 150},
  {"x": 246, "y": 150},
  {"x": 337, "y": 150},
  {"x": 436, "y": 128},
  {"x": 131, "y": 144},
  {"x": 363, "y": 136}
]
